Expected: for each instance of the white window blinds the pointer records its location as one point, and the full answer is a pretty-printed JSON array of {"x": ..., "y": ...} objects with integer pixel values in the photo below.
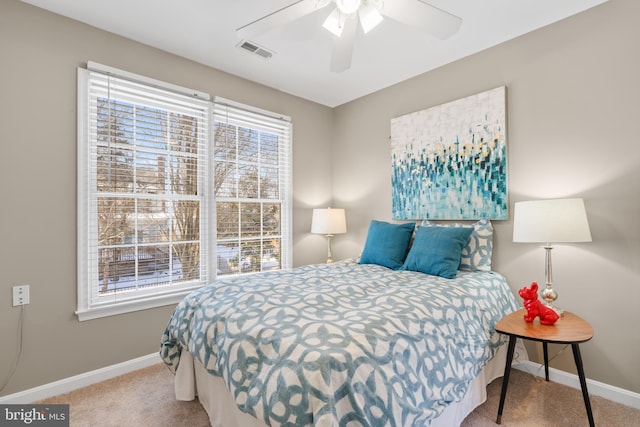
[
  {"x": 252, "y": 189},
  {"x": 143, "y": 162}
]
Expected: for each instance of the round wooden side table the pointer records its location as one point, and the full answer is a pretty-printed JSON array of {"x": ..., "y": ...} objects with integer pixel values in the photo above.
[{"x": 569, "y": 329}]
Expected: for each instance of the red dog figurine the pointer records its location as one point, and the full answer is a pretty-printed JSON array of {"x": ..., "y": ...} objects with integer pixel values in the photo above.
[{"x": 535, "y": 308}]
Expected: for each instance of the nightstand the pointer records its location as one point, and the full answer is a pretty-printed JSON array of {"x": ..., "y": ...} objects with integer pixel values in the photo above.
[{"x": 569, "y": 329}]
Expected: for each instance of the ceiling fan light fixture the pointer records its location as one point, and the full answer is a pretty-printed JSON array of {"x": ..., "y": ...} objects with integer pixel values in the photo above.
[
  {"x": 348, "y": 6},
  {"x": 335, "y": 22},
  {"x": 370, "y": 17}
]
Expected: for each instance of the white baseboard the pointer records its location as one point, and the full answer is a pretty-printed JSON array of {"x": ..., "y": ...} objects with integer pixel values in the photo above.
[
  {"x": 78, "y": 381},
  {"x": 595, "y": 388}
]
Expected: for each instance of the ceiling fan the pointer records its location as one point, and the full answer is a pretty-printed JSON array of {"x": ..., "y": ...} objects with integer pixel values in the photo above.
[{"x": 343, "y": 21}]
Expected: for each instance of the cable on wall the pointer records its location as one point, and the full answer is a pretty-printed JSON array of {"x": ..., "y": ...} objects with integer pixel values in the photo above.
[{"x": 19, "y": 350}]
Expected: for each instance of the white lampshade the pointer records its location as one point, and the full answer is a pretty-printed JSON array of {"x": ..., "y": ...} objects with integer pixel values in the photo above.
[
  {"x": 551, "y": 221},
  {"x": 328, "y": 221}
]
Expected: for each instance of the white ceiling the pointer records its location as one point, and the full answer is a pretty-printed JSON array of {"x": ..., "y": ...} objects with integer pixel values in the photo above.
[{"x": 204, "y": 31}]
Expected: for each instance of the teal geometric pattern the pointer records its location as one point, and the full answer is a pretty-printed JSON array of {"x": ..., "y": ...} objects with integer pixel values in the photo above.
[{"x": 344, "y": 343}]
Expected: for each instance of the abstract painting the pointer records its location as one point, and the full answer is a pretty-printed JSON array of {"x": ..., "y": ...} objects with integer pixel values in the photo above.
[{"x": 450, "y": 161}]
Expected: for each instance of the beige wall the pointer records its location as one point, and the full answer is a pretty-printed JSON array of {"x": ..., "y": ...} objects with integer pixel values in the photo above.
[
  {"x": 572, "y": 107},
  {"x": 573, "y": 110},
  {"x": 39, "y": 54}
]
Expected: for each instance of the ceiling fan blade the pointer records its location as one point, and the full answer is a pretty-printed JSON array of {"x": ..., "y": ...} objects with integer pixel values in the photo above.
[
  {"x": 343, "y": 46},
  {"x": 423, "y": 16},
  {"x": 281, "y": 17}
]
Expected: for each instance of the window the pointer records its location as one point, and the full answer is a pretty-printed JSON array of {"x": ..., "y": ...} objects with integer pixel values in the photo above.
[
  {"x": 143, "y": 183},
  {"x": 164, "y": 204},
  {"x": 252, "y": 189}
]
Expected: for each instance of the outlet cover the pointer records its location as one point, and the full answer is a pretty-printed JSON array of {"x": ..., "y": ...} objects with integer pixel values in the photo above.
[{"x": 20, "y": 295}]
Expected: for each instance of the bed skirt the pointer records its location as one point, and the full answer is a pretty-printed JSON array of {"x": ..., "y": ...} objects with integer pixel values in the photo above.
[{"x": 192, "y": 381}]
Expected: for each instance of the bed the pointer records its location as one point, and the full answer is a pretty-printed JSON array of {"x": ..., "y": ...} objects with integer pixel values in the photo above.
[{"x": 349, "y": 343}]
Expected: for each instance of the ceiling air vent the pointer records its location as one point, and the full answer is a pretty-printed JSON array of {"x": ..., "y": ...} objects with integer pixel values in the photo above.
[{"x": 255, "y": 49}]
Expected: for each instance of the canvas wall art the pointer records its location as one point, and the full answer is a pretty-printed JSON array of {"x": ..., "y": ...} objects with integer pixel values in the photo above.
[{"x": 450, "y": 161}]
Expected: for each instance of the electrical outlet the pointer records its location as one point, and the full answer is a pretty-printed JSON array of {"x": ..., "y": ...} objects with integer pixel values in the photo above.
[{"x": 20, "y": 295}]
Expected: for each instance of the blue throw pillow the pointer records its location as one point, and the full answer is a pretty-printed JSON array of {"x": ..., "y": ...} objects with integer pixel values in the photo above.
[
  {"x": 437, "y": 250},
  {"x": 476, "y": 256},
  {"x": 387, "y": 244}
]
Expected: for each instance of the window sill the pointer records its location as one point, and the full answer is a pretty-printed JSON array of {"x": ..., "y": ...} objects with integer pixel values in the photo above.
[{"x": 131, "y": 306}]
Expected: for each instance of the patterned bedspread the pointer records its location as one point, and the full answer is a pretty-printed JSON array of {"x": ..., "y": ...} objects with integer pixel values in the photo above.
[{"x": 343, "y": 343}]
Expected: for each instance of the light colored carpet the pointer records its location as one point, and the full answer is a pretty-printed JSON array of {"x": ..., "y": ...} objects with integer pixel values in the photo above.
[
  {"x": 142, "y": 398},
  {"x": 533, "y": 402},
  {"x": 145, "y": 398}
]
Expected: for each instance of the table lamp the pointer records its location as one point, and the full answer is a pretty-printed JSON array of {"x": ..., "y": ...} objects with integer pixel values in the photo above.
[
  {"x": 328, "y": 222},
  {"x": 548, "y": 222}
]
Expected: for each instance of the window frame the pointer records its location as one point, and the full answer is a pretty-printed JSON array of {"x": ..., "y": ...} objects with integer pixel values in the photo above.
[
  {"x": 89, "y": 305},
  {"x": 86, "y": 226},
  {"x": 261, "y": 120}
]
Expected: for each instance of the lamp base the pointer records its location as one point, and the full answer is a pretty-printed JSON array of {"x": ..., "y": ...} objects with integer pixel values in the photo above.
[
  {"x": 549, "y": 295},
  {"x": 329, "y": 256}
]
